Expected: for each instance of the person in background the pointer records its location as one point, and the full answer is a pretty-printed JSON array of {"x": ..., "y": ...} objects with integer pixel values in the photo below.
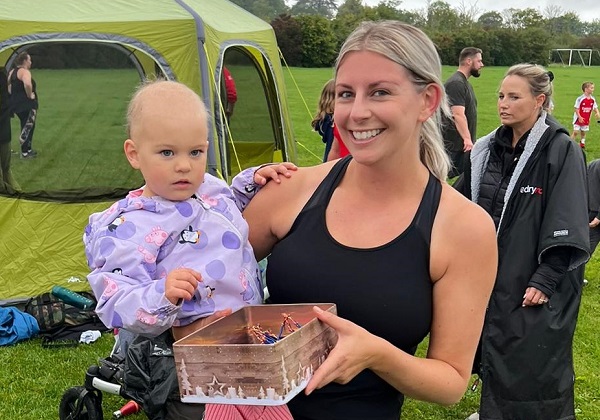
[
  {"x": 381, "y": 234},
  {"x": 322, "y": 122},
  {"x": 593, "y": 178},
  {"x": 531, "y": 178},
  {"x": 24, "y": 101},
  {"x": 338, "y": 148},
  {"x": 584, "y": 105},
  {"x": 7, "y": 182},
  {"x": 174, "y": 255},
  {"x": 231, "y": 93},
  {"x": 459, "y": 132}
]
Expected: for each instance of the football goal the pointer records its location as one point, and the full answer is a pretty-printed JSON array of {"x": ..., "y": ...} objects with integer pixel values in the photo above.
[{"x": 574, "y": 56}]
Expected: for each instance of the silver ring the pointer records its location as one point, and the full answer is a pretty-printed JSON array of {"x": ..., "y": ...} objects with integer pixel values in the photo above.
[{"x": 542, "y": 301}]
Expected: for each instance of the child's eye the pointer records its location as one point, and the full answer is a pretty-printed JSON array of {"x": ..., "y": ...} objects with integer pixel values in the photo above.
[
  {"x": 196, "y": 153},
  {"x": 166, "y": 153}
]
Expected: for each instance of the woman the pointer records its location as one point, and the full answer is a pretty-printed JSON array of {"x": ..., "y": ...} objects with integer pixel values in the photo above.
[
  {"x": 378, "y": 233},
  {"x": 7, "y": 183},
  {"x": 24, "y": 101},
  {"x": 530, "y": 177}
]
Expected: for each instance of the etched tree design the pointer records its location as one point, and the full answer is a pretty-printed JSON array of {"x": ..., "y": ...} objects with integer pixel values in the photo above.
[
  {"x": 185, "y": 382},
  {"x": 286, "y": 381}
]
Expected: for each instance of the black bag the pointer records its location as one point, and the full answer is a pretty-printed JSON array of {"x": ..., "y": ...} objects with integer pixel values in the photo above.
[{"x": 61, "y": 324}]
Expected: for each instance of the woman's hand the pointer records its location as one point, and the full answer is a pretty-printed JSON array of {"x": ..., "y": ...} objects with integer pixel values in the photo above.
[
  {"x": 352, "y": 354},
  {"x": 272, "y": 171},
  {"x": 534, "y": 297}
]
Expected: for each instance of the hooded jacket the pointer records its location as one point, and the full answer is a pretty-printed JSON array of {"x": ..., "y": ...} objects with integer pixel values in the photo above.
[
  {"x": 526, "y": 361},
  {"x": 133, "y": 245}
]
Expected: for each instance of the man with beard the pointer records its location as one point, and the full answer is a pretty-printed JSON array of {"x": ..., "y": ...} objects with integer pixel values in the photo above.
[{"x": 459, "y": 133}]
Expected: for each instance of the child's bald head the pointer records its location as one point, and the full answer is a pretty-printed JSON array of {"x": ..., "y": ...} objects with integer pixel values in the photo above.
[{"x": 163, "y": 99}]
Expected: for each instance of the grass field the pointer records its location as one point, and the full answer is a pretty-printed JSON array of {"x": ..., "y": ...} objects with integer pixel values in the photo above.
[{"x": 89, "y": 104}]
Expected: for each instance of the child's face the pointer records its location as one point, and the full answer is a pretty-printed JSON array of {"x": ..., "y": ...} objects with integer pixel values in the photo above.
[
  {"x": 169, "y": 148},
  {"x": 589, "y": 89}
]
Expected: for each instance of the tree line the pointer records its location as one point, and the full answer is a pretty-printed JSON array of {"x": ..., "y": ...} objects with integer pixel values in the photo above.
[{"x": 310, "y": 32}]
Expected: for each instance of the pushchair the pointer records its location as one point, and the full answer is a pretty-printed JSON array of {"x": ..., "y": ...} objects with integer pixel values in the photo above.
[
  {"x": 85, "y": 402},
  {"x": 139, "y": 368}
]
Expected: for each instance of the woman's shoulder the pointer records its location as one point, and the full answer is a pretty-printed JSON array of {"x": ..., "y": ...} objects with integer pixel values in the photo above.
[{"x": 462, "y": 217}]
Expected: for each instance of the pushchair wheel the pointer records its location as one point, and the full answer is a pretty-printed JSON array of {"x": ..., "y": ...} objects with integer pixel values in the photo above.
[{"x": 78, "y": 403}]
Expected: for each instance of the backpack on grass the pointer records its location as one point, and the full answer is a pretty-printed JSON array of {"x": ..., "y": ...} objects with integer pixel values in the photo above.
[{"x": 61, "y": 324}]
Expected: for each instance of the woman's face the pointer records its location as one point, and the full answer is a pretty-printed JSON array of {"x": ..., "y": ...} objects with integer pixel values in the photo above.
[
  {"x": 27, "y": 62},
  {"x": 378, "y": 109},
  {"x": 517, "y": 107}
]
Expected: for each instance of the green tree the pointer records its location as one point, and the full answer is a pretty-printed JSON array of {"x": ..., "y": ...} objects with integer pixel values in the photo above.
[
  {"x": 351, "y": 7},
  {"x": 525, "y": 18},
  {"x": 325, "y": 8},
  {"x": 569, "y": 23},
  {"x": 318, "y": 41},
  {"x": 390, "y": 10},
  {"x": 289, "y": 38},
  {"x": 267, "y": 10},
  {"x": 442, "y": 18},
  {"x": 491, "y": 20}
]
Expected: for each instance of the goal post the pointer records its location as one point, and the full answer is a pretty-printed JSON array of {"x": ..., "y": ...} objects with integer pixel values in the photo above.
[{"x": 573, "y": 56}]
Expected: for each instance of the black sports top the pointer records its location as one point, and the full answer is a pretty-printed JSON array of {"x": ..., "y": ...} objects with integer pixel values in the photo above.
[
  {"x": 387, "y": 290},
  {"x": 19, "y": 100}
]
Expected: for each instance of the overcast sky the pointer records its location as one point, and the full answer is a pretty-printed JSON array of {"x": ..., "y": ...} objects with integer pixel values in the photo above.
[{"x": 587, "y": 10}]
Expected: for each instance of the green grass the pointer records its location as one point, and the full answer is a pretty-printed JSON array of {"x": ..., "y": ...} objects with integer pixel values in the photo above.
[{"x": 80, "y": 105}]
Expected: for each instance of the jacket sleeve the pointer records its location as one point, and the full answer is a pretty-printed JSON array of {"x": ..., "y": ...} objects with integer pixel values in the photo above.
[
  {"x": 552, "y": 269},
  {"x": 244, "y": 188},
  {"x": 127, "y": 295},
  {"x": 565, "y": 221}
]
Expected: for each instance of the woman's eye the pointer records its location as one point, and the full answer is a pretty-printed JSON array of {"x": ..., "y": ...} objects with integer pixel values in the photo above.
[
  {"x": 380, "y": 93},
  {"x": 344, "y": 94},
  {"x": 166, "y": 153}
]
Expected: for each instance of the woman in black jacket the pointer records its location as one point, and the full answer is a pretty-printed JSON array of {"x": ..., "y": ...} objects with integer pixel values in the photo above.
[{"x": 531, "y": 178}]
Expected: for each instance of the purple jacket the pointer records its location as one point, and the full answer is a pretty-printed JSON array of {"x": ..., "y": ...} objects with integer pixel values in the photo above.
[{"x": 132, "y": 246}]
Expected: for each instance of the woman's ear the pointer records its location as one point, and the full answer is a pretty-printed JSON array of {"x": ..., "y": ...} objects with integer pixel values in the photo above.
[
  {"x": 540, "y": 100},
  {"x": 432, "y": 96},
  {"x": 131, "y": 153}
]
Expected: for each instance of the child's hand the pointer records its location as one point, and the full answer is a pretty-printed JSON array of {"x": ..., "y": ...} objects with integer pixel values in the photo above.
[
  {"x": 272, "y": 171},
  {"x": 181, "y": 283}
]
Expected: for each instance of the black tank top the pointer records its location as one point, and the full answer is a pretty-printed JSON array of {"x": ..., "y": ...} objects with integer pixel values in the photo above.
[
  {"x": 19, "y": 100},
  {"x": 386, "y": 290}
]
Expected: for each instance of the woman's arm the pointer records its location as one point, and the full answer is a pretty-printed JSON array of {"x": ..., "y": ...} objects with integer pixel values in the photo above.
[
  {"x": 463, "y": 268},
  {"x": 25, "y": 76}
]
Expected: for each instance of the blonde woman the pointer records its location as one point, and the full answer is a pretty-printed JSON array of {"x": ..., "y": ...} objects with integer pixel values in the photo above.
[{"x": 380, "y": 233}]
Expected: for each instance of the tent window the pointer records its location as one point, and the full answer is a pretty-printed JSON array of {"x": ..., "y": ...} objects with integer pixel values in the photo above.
[
  {"x": 249, "y": 133},
  {"x": 83, "y": 91}
]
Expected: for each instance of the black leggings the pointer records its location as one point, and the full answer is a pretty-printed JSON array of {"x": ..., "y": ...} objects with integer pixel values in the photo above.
[{"x": 27, "y": 119}]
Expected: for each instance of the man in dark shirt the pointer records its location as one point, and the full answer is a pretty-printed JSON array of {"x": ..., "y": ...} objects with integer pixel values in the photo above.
[{"x": 459, "y": 133}]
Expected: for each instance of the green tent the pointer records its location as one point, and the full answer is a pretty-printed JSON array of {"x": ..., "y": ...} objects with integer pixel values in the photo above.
[{"x": 185, "y": 40}]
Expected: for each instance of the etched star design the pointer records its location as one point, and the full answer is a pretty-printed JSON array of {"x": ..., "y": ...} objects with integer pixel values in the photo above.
[{"x": 216, "y": 384}]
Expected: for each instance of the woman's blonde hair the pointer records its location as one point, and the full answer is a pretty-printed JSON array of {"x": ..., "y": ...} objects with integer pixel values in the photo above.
[
  {"x": 326, "y": 102},
  {"x": 538, "y": 79},
  {"x": 412, "y": 49}
]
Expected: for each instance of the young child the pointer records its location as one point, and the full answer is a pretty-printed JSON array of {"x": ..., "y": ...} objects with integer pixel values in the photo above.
[
  {"x": 324, "y": 125},
  {"x": 173, "y": 254},
  {"x": 322, "y": 122},
  {"x": 584, "y": 105}
]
